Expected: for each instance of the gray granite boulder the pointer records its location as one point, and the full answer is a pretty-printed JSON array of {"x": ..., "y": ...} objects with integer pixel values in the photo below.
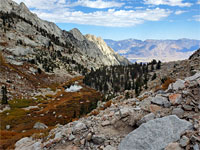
[
  {"x": 162, "y": 101},
  {"x": 155, "y": 134},
  {"x": 79, "y": 126}
]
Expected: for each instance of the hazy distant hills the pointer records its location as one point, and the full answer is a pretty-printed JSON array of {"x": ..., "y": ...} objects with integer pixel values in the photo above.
[{"x": 164, "y": 50}]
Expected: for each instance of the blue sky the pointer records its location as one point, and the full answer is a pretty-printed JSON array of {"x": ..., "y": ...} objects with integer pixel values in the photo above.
[{"x": 123, "y": 19}]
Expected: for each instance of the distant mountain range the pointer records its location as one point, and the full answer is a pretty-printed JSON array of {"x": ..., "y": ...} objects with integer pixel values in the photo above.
[{"x": 164, "y": 50}]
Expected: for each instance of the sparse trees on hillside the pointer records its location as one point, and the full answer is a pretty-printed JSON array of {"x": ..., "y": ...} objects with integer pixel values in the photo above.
[{"x": 114, "y": 79}]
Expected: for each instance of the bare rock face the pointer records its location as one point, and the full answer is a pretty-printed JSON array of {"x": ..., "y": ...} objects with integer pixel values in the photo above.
[
  {"x": 155, "y": 134},
  {"x": 7, "y": 5},
  {"x": 77, "y": 34},
  {"x": 113, "y": 57}
]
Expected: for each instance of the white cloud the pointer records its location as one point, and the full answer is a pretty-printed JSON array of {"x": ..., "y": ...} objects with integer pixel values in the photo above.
[
  {"x": 111, "y": 18},
  {"x": 196, "y": 17},
  {"x": 43, "y": 4},
  {"x": 139, "y": 7},
  {"x": 49, "y": 4},
  {"x": 198, "y": 2},
  {"x": 168, "y": 2},
  {"x": 97, "y": 4},
  {"x": 59, "y": 11},
  {"x": 178, "y": 12}
]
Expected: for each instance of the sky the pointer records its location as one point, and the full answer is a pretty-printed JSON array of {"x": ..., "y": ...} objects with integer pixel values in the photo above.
[{"x": 123, "y": 19}]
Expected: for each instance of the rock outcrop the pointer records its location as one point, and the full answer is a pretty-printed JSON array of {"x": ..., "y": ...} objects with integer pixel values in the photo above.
[
  {"x": 196, "y": 54},
  {"x": 107, "y": 51}
]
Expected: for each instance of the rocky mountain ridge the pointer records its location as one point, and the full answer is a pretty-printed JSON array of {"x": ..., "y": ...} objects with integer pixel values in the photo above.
[
  {"x": 107, "y": 51},
  {"x": 164, "y": 50},
  {"x": 35, "y": 32}
]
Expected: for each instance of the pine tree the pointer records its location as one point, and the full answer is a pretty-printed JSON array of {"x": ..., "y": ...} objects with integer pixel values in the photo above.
[
  {"x": 154, "y": 61},
  {"x": 105, "y": 87},
  {"x": 152, "y": 67},
  {"x": 136, "y": 90},
  {"x": 145, "y": 80},
  {"x": 4, "y": 95},
  {"x": 133, "y": 85},
  {"x": 154, "y": 76},
  {"x": 158, "y": 66}
]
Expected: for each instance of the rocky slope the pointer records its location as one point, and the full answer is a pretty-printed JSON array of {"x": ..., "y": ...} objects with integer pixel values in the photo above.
[
  {"x": 157, "y": 119},
  {"x": 164, "y": 50}
]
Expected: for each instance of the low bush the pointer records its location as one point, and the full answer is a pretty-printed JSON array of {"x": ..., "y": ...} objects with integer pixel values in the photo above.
[{"x": 166, "y": 83}]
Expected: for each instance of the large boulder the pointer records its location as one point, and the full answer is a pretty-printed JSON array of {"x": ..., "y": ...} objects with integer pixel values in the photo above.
[
  {"x": 178, "y": 112},
  {"x": 79, "y": 126},
  {"x": 162, "y": 101},
  {"x": 124, "y": 112},
  {"x": 178, "y": 85},
  {"x": 175, "y": 99},
  {"x": 155, "y": 134},
  {"x": 98, "y": 139},
  {"x": 28, "y": 144}
]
